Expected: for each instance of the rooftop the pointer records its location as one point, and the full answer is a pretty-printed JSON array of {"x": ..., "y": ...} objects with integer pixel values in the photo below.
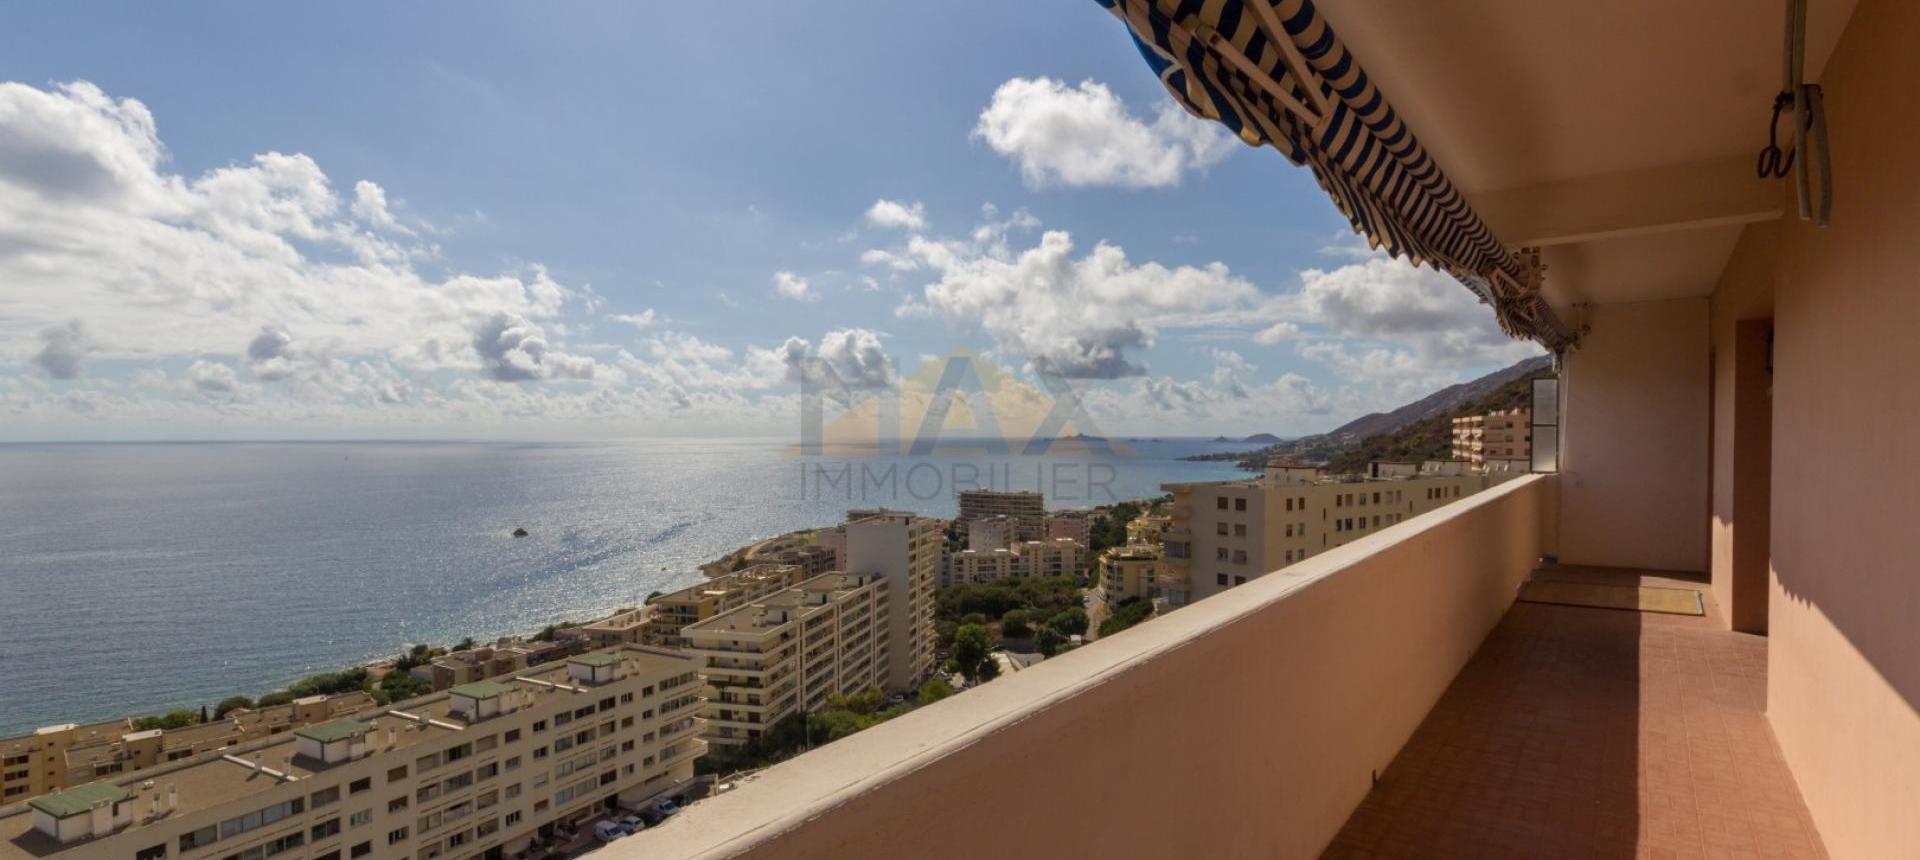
[
  {"x": 333, "y": 730},
  {"x": 79, "y": 799},
  {"x": 481, "y": 690}
]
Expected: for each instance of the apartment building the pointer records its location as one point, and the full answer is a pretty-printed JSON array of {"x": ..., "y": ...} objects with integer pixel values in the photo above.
[
  {"x": 990, "y": 533},
  {"x": 475, "y": 772},
  {"x": 56, "y": 757},
  {"x": 669, "y": 613},
  {"x": 474, "y": 664},
  {"x": 1028, "y": 510},
  {"x": 1503, "y": 435},
  {"x": 1075, "y": 526},
  {"x": 812, "y": 560},
  {"x": 1147, "y": 528},
  {"x": 1224, "y": 533},
  {"x": 788, "y": 652},
  {"x": 1024, "y": 560},
  {"x": 907, "y": 550},
  {"x": 1133, "y": 571}
]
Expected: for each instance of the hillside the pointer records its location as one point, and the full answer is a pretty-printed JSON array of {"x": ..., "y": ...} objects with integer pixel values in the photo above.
[{"x": 1407, "y": 432}]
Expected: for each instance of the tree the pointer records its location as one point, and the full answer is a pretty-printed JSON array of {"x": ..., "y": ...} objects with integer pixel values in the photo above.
[
  {"x": 989, "y": 670},
  {"x": 1016, "y": 624},
  {"x": 275, "y": 698},
  {"x": 971, "y": 649},
  {"x": 402, "y": 685},
  {"x": 228, "y": 704},
  {"x": 171, "y": 720},
  {"x": 1070, "y": 622},
  {"x": 1049, "y": 640},
  {"x": 934, "y": 690},
  {"x": 1131, "y": 611},
  {"x": 546, "y": 634},
  {"x": 465, "y": 644}
]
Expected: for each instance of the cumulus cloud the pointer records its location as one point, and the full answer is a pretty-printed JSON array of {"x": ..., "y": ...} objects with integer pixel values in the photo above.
[
  {"x": 270, "y": 353},
  {"x": 1085, "y": 136},
  {"x": 1078, "y": 316},
  {"x": 1282, "y": 330},
  {"x": 794, "y": 287},
  {"x": 163, "y": 264},
  {"x": 1423, "y": 310},
  {"x": 213, "y": 378},
  {"x": 370, "y": 205},
  {"x": 61, "y": 347},
  {"x": 515, "y": 350},
  {"x": 895, "y": 215}
]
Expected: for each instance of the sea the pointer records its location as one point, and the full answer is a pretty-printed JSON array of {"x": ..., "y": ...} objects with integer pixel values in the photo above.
[{"x": 136, "y": 578}]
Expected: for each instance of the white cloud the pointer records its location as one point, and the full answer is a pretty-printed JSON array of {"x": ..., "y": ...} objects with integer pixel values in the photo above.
[
  {"x": 794, "y": 287},
  {"x": 161, "y": 264},
  {"x": 642, "y": 320},
  {"x": 370, "y": 205},
  {"x": 900, "y": 216},
  {"x": 515, "y": 350},
  {"x": 213, "y": 379},
  {"x": 1423, "y": 310},
  {"x": 1276, "y": 333},
  {"x": 1083, "y": 317},
  {"x": 1085, "y": 135}
]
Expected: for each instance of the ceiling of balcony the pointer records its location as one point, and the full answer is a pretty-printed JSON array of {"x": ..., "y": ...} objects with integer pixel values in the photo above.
[{"x": 1619, "y": 136}]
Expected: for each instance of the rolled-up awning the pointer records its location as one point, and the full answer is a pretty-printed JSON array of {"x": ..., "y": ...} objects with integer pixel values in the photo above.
[{"x": 1275, "y": 73}]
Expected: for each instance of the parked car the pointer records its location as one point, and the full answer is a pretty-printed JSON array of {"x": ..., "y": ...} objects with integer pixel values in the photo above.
[
  {"x": 666, "y": 806},
  {"x": 633, "y": 823},
  {"x": 651, "y": 817},
  {"x": 607, "y": 831}
]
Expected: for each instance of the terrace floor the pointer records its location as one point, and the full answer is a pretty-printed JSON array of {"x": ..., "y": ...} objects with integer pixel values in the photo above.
[{"x": 1594, "y": 733}]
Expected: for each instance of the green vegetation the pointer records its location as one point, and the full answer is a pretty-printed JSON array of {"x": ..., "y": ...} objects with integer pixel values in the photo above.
[
  {"x": 934, "y": 690},
  {"x": 277, "y": 697},
  {"x": 229, "y": 703},
  {"x": 995, "y": 599},
  {"x": 1071, "y": 621},
  {"x": 1109, "y": 527},
  {"x": 1017, "y": 623},
  {"x": 1049, "y": 641},
  {"x": 172, "y": 720},
  {"x": 972, "y": 652},
  {"x": 397, "y": 685},
  {"x": 1129, "y": 612}
]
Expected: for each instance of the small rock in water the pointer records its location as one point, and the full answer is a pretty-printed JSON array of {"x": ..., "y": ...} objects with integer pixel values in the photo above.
[{"x": 520, "y": 532}]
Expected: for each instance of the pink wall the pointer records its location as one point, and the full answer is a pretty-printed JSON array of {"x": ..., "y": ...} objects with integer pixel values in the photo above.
[
  {"x": 1263, "y": 713},
  {"x": 1844, "y": 625},
  {"x": 1741, "y": 423},
  {"x": 1634, "y": 464}
]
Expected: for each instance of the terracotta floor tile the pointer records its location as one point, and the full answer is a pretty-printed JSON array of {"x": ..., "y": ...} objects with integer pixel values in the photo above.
[{"x": 1593, "y": 733}]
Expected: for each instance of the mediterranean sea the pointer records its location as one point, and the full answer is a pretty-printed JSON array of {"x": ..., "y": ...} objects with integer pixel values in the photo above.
[{"x": 136, "y": 578}]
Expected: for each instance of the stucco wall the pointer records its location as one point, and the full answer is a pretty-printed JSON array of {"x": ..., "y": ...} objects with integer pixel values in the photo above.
[
  {"x": 1844, "y": 616},
  {"x": 1269, "y": 707},
  {"x": 1740, "y": 495},
  {"x": 1634, "y": 464}
]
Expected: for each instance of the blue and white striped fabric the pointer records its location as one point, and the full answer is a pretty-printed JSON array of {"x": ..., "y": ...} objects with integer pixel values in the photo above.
[{"x": 1222, "y": 60}]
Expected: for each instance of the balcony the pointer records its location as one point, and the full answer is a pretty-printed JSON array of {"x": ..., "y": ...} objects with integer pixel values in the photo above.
[{"x": 1495, "y": 728}]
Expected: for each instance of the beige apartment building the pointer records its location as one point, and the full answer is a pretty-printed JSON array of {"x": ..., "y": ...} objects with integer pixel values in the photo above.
[
  {"x": 1028, "y": 510},
  {"x": 475, "y": 772},
  {"x": 1024, "y": 560},
  {"x": 1504, "y": 436},
  {"x": 57, "y": 757},
  {"x": 788, "y": 652},
  {"x": 1133, "y": 571},
  {"x": 1222, "y": 534},
  {"x": 669, "y": 613},
  {"x": 1147, "y": 528},
  {"x": 907, "y": 550},
  {"x": 1075, "y": 526}
]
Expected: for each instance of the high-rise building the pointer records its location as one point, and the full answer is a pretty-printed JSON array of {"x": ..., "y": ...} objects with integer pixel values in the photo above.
[
  {"x": 1072, "y": 525},
  {"x": 906, "y": 549},
  {"x": 1027, "y": 509},
  {"x": 1224, "y": 533},
  {"x": 1504, "y": 436},
  {"x": 476, "y": 771},
  {"x": 788, "y": 652},
  {"x": 1133, "y": 571}
]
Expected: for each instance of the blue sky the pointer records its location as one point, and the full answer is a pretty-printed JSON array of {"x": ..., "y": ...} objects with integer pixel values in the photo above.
[{"x": 599, "y": 219}]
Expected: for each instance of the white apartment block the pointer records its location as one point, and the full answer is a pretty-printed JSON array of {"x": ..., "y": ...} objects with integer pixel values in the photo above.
[
  {"x": 907, "y": 550},
  {"x": 473, "y": 773},
  {"x": 788, "y": 652},
  {"x": 1225, "y": 533}
]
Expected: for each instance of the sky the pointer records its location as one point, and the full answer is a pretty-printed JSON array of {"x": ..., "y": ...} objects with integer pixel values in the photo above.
[{"x": 610, "y": 220}]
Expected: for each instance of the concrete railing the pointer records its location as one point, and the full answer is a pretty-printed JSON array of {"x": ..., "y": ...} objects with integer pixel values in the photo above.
[{"x": 1245, "y": 725}]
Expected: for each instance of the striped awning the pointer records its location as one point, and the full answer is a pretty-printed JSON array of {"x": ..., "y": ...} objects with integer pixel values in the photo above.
[{"x": 1275, "y": 73}]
